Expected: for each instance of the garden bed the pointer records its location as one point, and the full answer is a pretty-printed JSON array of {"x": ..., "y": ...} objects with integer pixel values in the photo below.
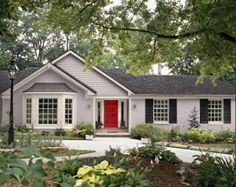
[
  {"x": 166, "y": 174},
  {"x": 219, "y": 147}
]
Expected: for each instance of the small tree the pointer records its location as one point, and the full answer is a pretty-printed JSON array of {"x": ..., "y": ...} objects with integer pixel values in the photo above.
[{"x": 193, "y": 119}]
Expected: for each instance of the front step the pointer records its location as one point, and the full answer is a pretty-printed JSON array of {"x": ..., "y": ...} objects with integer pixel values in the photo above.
[{"x": 112, "y": 133}]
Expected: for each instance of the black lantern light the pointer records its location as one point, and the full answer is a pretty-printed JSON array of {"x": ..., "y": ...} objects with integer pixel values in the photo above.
[{"x": 12, "y": 69}]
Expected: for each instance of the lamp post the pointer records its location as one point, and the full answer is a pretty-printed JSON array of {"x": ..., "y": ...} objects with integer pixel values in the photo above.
[{"x": 12, "y": 69}]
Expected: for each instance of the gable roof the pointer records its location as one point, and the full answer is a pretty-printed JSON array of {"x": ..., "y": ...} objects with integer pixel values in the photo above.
[
  {"x": 81, "y": 59},
  {"x": 30, "y": 73},
  {"x": 170, "y": 84}
]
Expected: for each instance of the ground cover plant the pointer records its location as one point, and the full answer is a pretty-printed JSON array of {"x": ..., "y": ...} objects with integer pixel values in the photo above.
[{"x": 215, "y": 171}]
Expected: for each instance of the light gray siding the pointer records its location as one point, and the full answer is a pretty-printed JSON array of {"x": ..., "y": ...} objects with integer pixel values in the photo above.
[
  {"x": 5, "y": 111},
  {"x": 184, "y": 108},
  {"x": 98, "y": 82},
  {"x": 137, "y": 111},
  {"x": 84, "y": 112}
]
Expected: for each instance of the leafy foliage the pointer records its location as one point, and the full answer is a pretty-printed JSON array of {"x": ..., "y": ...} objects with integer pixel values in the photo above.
[
  {"x": 11, "y": 166},
  {"x": 215, "y": 171},
  {"x": 93, "y": 176},
  {"x": 197, "y": 135},
  {"x": 152, "y": 152},
  {"x": 142, "y": 130},
  {"x": 60, "y": 132},
  {"x": 81, "y": 129},
  {"x": 227, "y": 136}
]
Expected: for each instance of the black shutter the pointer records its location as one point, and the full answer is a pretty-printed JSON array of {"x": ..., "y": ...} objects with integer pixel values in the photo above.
[
  {"x": 203, "y": 110},
  {"x": 227, "y": 111},
  {"x": 172, "y": 111},
  {"x": 149, "y": 110}
]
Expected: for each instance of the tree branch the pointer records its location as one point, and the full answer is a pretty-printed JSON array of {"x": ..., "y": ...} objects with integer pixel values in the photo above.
[
  {"x": 166, "y": 36},
  {"x": 227, "y": 37},
  {"x": 152, "y": 32}
]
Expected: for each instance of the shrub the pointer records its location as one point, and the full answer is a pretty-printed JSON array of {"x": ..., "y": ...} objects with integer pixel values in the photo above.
[
  {"x": 226, "y": 136},
  {"x": 174, "y": 134},
  {"x": 22, "y": 128},
  {"x": 197, "y": 135},
  {"x": 192, "y": 135},
  {"x": 215, "y": 171},
  {"x": 151, "y": 152},
  {"x": 170, "y": 157},
  {"x": 60, "y": 132},
  {"x": 193, "y": 119},
  {"x": 145, "y": 129},
  {"x": 45, "y": 133},
  {"x": 206, "y": 137},
  {"x": 82, "y": 128},
  {"x": 3, "y": 128}
]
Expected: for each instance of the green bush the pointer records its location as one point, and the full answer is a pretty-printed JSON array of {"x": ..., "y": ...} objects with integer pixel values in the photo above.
[
  {"x": 145, "y": 129},
  {"x": 225, "y": 136},
  {"x": 192, "y": 135},
  {"x": 199, "y": 136},
  {"x": 45, "y": 133},
  {"x": 130, "y": 178},
  {"x": 206, "y": 137},
  {"x": 215, "y": 172},
  {"x": 3, "y": 128},
  {"x": 174, "y": 134},
  {"x": 22, "y": 128},
  {"x": 60, "y": 132},
  {"x": 82, "y": 128},
  {"x": 151, "y": 152}
]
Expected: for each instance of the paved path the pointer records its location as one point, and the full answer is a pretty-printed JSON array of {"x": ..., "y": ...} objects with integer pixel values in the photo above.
[{"x": 100, "y": 145}]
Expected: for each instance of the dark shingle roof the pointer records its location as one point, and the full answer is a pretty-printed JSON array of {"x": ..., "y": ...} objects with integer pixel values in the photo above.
[
  {"x": 5, "y": 82},
  {"x": 146, "y": 84},
  {"x": 170, "y": 84}
]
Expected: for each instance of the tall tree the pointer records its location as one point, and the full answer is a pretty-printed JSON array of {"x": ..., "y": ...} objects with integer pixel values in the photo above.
[
  {"x": 147, "y": 36},
  {"x": 140, "y": 36}
]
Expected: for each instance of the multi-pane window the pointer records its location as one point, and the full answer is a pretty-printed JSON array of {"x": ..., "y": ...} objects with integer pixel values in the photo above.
[
  {"x": 68, "y": 111},
  {"x": 215, "y": 110},
  {"x": 47, "y": 111},
  {"x": 160, "y": 110},
  {"x": 28, "y": 110}
]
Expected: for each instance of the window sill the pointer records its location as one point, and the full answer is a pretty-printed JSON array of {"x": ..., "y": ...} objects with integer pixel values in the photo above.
[
  {"x": 161, "y": 123},
  {"x": 216, "y": 123}
]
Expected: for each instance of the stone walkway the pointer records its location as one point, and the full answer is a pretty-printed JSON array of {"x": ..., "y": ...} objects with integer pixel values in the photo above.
[{"x": 100, "y": 145}]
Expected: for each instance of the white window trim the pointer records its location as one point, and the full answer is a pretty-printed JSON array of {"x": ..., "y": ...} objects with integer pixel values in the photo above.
[
  {"x": 72, "y": 112},
  {"x": 161, "y": 122},
  {"x": 222, "y": 112},
  {"x": 60, "y": 111}
]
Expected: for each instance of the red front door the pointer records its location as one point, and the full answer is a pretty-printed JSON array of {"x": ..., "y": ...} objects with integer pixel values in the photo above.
[{"x": 110, "y": 113}]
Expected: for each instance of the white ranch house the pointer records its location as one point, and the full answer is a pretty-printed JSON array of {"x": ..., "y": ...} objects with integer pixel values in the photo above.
[{"x": 63, "y": 93}]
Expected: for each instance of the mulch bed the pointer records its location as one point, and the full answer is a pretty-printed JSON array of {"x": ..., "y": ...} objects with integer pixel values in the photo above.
[{"x": 165, "y": 174}]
